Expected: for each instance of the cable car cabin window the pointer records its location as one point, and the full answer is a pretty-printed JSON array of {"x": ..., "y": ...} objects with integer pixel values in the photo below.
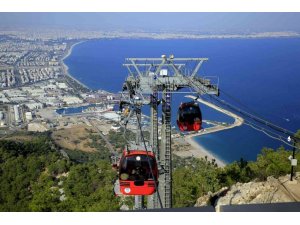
[
  {"x": 133, "y": 169},
  {"x": 189, "y": 114}
]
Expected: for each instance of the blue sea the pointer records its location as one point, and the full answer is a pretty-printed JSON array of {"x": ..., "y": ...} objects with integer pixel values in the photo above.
[
  {"x": 73, "y": 110},
  {"x": 260, "y": 74}
]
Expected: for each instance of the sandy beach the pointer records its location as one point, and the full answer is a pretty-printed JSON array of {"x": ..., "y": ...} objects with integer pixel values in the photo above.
[
  {"x": 195, "y": 149},
  {"x": 198, "y": 150},
  {"x": 69, "y": 52},
  {"x": 188, "y": 147},
  {"x": 66, "y": 68}
]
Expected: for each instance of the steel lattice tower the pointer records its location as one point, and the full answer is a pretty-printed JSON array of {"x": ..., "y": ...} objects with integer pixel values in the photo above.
[{"x": 149, "y": 77}]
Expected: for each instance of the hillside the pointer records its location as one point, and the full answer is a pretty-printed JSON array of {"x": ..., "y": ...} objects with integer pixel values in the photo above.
[
  {"x": 35, "y": 176},
  {"x": 38, "y": 175},
  {"x": 273, "y": 190}
]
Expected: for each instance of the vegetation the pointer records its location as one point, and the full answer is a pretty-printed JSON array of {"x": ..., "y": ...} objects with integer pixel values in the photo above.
[
  {"x": 83, "y": 157},
  {"x": 118, "y": 140},
  {"x": 36, "y": 176},
  {"x": 88, "y": 187},
  {"x": 202, "y": 176},
  {"x": 199, "y": 176}
]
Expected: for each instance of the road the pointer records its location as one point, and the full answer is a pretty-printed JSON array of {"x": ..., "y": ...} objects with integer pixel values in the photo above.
[{"x": 109, "y": 145}]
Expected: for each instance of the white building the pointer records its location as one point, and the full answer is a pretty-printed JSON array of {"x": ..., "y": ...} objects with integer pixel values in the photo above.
[
  {"x": 112, "y": 116},
  {"x": 51, "y": 101},
  {"x": 37, "y": 127},
  {"x": 115, "y": 127},
  {"x": 37, "y": 92},
  {"x": 18, "y": 99},
  {"x": 15, "y": 93},
  {"x": 26, "y": 88},
  {"x": 53, "y": 63},
  {"x": 50, "y": 87},
  {"x": 34, "y": 105},
  {"x": 109, "y": 97},
  {"x": 71, "y": 100},
  {"x": 84, "y": 95},
  {"x": 1, "y": 115},
  {"x": 61, "y": 85},
  {"x": 28, "y": 116},
  {"x": 17, "y": 114},
  {"x": 3, "y": 99}
]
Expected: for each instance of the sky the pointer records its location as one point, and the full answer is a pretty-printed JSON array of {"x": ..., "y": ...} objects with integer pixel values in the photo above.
[{"x": 198, "y": 22}]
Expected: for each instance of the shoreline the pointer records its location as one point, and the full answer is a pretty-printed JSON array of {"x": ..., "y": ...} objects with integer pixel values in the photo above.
[
  {"x": 66, "y": 68},
  {"x": 69, "y": 52},
  {"x": 200, "y": 151},
  {"x": 196, "y": 150}
]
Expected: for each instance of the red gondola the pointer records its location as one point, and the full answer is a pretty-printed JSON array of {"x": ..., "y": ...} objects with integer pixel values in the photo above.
[
  {"x": 135, "y": 177},
  {"x": 189, "y": 117}
]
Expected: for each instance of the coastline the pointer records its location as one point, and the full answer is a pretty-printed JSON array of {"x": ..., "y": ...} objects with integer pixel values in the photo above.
[
  {"x": 195, "y": 149},
  {"x": 66, "y": 68},
  {"x": 199, "y": 151},
  {"x": 69, "y": 52}
]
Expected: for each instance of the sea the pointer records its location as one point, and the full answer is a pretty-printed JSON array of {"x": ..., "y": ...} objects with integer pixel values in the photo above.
[{"x": 261, "y": 76}]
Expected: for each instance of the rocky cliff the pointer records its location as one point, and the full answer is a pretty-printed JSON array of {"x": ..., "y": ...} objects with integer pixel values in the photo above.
[{"x": 274, "y": 190}]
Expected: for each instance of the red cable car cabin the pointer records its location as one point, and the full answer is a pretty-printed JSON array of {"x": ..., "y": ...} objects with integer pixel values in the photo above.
[
  {"x": 135, "y": 176},
  {"x": 189, "y": 117}
]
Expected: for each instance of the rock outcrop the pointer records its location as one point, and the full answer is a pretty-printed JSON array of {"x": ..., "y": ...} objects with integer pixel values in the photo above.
[{"x": 271, "y": 191}]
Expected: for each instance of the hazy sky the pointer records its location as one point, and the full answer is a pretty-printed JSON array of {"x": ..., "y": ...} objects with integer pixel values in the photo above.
[{"x": 200, "y": 22}]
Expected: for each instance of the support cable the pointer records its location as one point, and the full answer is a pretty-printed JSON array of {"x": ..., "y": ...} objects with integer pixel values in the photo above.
[
  {"x": 257, "y": 119},
  {"x": 239, "y": 102},
  {"x": 263, "y": 130},
  {"x": 266, "y": 132},
  {"x": 247, "y": 107},
  {"x": 149, "y": 163}
]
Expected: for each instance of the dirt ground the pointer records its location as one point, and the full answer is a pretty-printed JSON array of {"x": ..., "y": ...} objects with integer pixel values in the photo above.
[
  {"x": 73, "y": 138},
  {"x": 20, "y": 138}
]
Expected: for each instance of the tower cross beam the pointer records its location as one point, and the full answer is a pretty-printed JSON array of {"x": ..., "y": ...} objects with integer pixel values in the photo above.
[
  {"x": 136, "y": 67},
  {"x": 144, "y": 87},
  {"x": 197, "y": 68}
]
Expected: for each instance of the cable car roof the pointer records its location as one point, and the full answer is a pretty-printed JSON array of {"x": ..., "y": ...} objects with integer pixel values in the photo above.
[{"x": 139, "y": 147}]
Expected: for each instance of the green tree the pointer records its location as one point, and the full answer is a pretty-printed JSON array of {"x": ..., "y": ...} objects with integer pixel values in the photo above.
[
  {"x": 193, "y": 178},
  {"x": 89, "y": 187}
]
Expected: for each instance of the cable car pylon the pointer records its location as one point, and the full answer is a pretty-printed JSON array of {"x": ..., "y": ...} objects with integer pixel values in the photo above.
[{"x": 149, "y": 79}]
